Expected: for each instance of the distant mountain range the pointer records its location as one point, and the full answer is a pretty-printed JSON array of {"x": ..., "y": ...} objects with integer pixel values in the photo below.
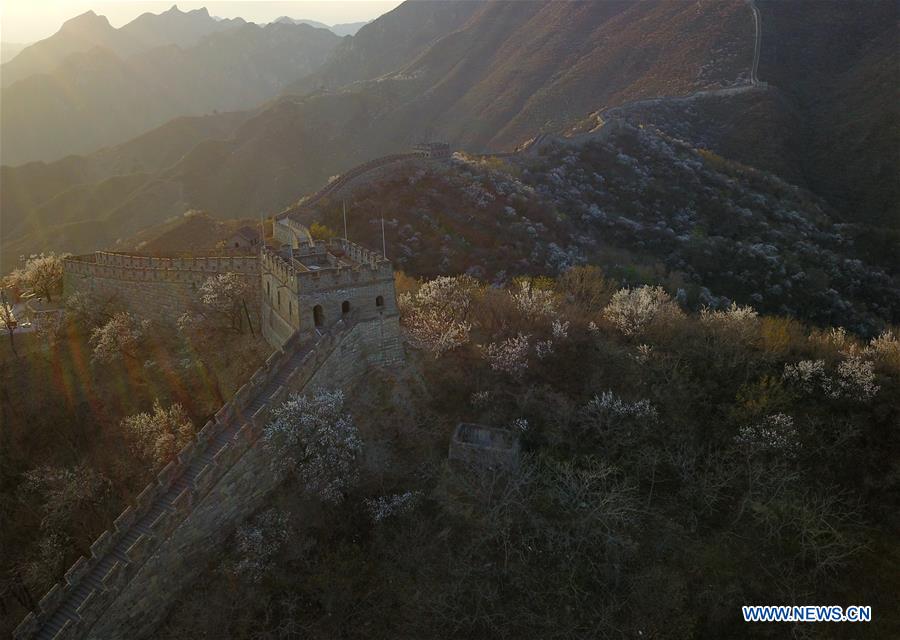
[
  {"x": 489, "y": 76},
  {"x": 89, "y": 31},
  {"x": 136, "y": 78},
  {"x": 343, "y": 29}
]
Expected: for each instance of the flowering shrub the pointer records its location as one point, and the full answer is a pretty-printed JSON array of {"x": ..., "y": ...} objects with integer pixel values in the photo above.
[
  {"x": 855, "y": 378},
  {"x": 533, "y": 302},
  {"x": 560, "y": 329},
  {"x": 509, "y": 356},
  {"x": 543, "y": 348},
  {"x": 221, "y": 297},
  {"x": 387, "y": 506},
  {"x": 739, "y": 322},
  {"x": 776, "y": 433},
  {"x": 632, "y": 310},
  {"x": 311, "y": 438},
  {"x": 435, "y": 316},
  {"x": 608, "y": 408},
  {"x": 160, "y": 435},
  {"x": 42, "y": 275},
  {"x": 121, "y": 335},
  {"x": 257, "y": 542}
]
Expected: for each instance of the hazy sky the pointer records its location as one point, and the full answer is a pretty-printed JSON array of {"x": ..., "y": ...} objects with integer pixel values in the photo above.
[{"x": 31, "y": 20}]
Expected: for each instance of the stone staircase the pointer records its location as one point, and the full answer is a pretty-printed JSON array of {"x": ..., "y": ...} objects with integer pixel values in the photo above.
[{"x": 72, "y": 607}]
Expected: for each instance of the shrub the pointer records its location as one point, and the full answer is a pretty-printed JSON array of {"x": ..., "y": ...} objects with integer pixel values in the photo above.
[{"x": 632, "y": 311}]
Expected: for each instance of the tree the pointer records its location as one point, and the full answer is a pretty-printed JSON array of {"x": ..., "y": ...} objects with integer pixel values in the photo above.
[
  {"x": 319, "y": 231},
  {"x": 161, "y": 434},
  {"x": 632, "y": 311},
  {"x": 42, "y": 274},
  {"x": 8, "y": 320},
  {"x": 257, "y": 542},
  {"x": 121, "y": 335},
  {"x": 533, "y": 300},
  {"x": 221, "y": 303},
  {"x": 313, "y": 439},
  {"x": 436, "y": 316}
]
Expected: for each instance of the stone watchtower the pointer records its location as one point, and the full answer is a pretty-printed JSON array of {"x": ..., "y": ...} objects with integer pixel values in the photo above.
[{"x": 312, "y": 286}]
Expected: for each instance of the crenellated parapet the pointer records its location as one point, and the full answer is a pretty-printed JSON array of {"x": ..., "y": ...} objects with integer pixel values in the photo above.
[
  {"x": 118, "y": 266},
  {"x": 74, "y": 605}
]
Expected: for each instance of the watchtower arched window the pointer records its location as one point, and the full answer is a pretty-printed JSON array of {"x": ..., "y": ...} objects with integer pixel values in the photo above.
[
  {"x": 269, "y": 289},
  {"x": 379, "y": 301},
  {"x": 318, "y": 315},
  {"x": 278, "y": 293},
  {"x": 290, "y": 309},
  {"x": 345, "y": 307}
]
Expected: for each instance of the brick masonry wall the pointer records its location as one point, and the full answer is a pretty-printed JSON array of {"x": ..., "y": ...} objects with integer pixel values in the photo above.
[
  {"x": 136, "y": 594},
  {"x": 196, "y": 542},
  {"x": 160, "y": 289}
]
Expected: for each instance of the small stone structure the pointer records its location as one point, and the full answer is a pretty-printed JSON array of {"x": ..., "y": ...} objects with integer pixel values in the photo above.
[
  {"x": 478, "y": 445},
  {"x": 244, "y": 238}
]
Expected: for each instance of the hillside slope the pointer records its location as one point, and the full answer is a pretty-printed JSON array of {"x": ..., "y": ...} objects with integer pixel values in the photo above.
[{"x": 496, "y": 76}]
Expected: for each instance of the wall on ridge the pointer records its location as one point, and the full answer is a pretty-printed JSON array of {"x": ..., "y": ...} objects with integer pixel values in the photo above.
[
  {"x": 157, "y": 288},
  {"x": 143, "y": 603}
]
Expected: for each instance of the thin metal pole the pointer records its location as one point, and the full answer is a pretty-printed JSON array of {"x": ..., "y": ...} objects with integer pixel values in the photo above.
[
  {"x": 344, "y": 202},
  {"x": 383, "y": 241}
]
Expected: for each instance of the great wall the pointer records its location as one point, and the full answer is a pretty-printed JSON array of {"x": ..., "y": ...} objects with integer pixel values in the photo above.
[{"x": 345, "y": 323}]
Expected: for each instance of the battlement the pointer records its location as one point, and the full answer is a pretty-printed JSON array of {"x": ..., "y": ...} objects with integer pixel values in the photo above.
[
  {"x": 102, "y": 264},
  {"x": 75, "y": 605},
  {"x": 336, "y": 262}
]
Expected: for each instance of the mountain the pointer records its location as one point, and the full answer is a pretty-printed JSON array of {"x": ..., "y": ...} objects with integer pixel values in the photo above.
[
  {"x": 9, "y": 50},
  {"x": 344, "y": 29},
  {"x": 390, "y": 42},
  {"x": 490, "y": 76},
  {"x": 347, "y": 28},
  {"x": 182, "y": 28},
  {"x": 97, "y": 98},
  {"x": 89, "y": 30},
  {"x": 311, "y": 23}
]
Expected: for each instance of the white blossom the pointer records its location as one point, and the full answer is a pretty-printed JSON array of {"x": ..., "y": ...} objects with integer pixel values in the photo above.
[
  {"x": 855, "y": 378},
  {"x": 435, "y": 316},
  {"x": 386, "y": 506},
  {"x": 257, "y": 543},
  {"x": 313, "y": 439},
  {"x": 608, "y": 407},
  {"x": 534, "y": 303},
  {"x": 509, "y": 356},
  {"x": 519, "y": 424},
  {"x": 160, "y": 435},
  {"x": 776, "y": 433},
  {"x": 480, "y": 399},
  {"x": 632, "y": 310},
  {"x": 741, "y": 322},
  {"x": 560, "y": 329},
  {"x": 121, "y": 335},
  {"x": 543, "y": 348}
]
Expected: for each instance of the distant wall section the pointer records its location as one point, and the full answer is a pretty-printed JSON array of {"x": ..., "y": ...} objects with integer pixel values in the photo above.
[{"x": 157, "y": 288}]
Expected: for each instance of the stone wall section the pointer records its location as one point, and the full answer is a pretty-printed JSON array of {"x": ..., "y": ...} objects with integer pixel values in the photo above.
[
  {"x": 159, "y": 545},
  {"x": 157, "y": 288}
]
